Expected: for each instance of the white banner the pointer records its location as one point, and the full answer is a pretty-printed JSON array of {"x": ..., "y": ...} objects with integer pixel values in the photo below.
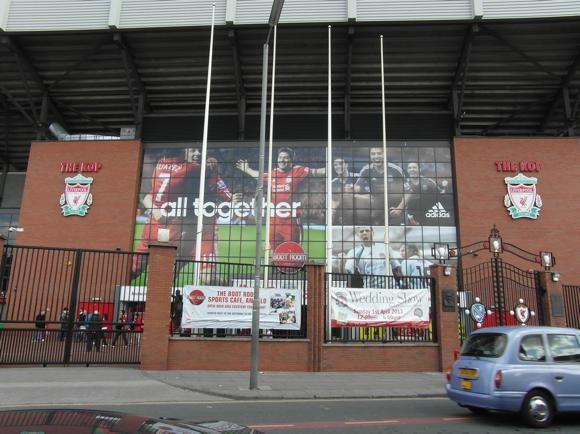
[
  {"x": 132, "y": 293},
  {"x": 374, "y": 307},
  {"x": 231, "y": 307}
]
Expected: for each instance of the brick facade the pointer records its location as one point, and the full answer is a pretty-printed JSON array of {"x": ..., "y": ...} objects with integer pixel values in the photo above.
[
  {"x": 110, "y": 220},
  {"x": 480, "y": 191}
]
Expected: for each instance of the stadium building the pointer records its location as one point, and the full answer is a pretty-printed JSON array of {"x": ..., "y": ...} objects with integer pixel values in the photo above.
[{"x": 103, "y": 109}]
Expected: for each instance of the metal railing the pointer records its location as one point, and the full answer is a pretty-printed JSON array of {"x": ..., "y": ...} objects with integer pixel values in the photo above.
[
  {"x": 572, "y": 305},
  {"x": 381, "y": 334},
  {"x": 47, "y": 292},
  {"x": 189, "y": 272}
]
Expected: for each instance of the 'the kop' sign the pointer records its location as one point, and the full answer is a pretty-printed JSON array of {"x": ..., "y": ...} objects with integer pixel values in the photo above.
[{"x": 289, "y": 257}]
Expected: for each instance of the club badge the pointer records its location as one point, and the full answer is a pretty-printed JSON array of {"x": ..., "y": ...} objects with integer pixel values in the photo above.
[
  {"x": 76, "y": 198},
  {"x": 522, "y": 199},
  {"x": 477, "y": 312},
  {"x": 522, "y": 312}
]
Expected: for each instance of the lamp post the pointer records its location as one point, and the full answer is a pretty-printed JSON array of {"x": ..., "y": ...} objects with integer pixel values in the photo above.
[
  {"x": 440, "y": 251},
  {"x": 258, "y": 204},
  {"x": 494, "y": 242}
]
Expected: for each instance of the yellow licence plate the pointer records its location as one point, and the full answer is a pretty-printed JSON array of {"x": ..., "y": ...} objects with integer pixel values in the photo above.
[
  {"x": 466, "y": 384},
  {"x": 468, "y": 373}
]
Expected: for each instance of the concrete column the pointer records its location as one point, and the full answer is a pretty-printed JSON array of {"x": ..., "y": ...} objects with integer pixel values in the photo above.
[
  {"x": 552, "y": 300},
  {"x": 446, "y": 316},
  {"x": 155, "y": 339},
  {"x": 315, "y": 326}
]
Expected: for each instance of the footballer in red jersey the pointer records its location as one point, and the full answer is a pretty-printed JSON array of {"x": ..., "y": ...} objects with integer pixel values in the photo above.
[
  {"x": 285, "y": 223},
  {"x": 174, "y": 189}
]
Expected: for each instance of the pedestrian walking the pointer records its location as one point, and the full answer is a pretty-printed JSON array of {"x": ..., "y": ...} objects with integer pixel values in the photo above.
[
  {"x": 105, "y": 333},
  {"x": 2, "y": 304},
  {"x": 138, "y": 327},
  {"x": 82, "y": 325},
  {"x": 94, "y": 332},
  {"x": 64, "y": 317},
  {"x": 40, "y": 324},
  {"x": 121, "y": 329}
]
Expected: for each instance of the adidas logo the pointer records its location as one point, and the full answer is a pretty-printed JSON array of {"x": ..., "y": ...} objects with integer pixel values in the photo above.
[{"x": 437, "y": 211}]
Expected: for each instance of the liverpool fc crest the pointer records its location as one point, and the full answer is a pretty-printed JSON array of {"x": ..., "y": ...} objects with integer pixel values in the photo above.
[
  {"x": 522, "y": 199},
  {"x": 76, "y": 198}
]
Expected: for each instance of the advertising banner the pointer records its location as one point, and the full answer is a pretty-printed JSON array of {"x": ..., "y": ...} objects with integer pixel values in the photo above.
[
  {"x": 231, "y": 307},
  {"x": 372, "y": 307},
  {"x": 419, "y": 202}
]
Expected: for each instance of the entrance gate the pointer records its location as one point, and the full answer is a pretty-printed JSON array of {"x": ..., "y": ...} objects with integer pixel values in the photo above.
[
  {"x": 39, "y": 283},
  {"x": 498, "y": 285}
]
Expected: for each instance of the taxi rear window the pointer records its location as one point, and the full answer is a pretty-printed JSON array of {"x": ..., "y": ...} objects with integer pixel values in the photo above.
[{"x": 485, "y": 345}]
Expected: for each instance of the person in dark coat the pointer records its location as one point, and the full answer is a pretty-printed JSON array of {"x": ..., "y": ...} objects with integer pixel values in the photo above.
[
  {"x": 121, "y": 329},
  {"x": 94, "y": 332},
  {"x": 40, "y": 324},
  {"x": 64, "y": 326}
]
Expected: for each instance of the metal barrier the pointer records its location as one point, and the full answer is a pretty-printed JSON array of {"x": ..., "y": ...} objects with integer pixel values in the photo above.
[
  {"x": 189, "y": 272},
  {"x": 47, "y": 292},
  {"x": 499, "y": 287},
  {"x": 380, "y": 334},
  {"x": 572, "y": 305}
]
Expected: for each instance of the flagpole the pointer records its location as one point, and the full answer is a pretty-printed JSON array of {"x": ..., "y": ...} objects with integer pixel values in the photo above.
[
  {"x": 270, "y": 147},
  {"x": 385, "y": 166},
  {"x": 329, "y": 184},
  {"x": 329, "y": 161},
  {"x": 201, "y": 196}
]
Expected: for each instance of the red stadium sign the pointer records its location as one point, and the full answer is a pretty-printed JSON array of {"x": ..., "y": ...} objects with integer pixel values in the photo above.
[{"x": 289, "y": 257}]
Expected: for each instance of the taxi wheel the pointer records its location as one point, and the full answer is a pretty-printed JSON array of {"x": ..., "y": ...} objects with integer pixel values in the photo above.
[{"x": 537, "y": 409}]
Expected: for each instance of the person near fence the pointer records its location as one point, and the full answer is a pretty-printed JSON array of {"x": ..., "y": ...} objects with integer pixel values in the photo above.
[
  {"x": 105, "y": 330},
  {"x": 121, "y": 329},
  {"x": 40, "y": 324},
  {"x": 2, "y": 303},
  {"x": 94, "y": 332},
  {"x": 176, "y": 310},
  {"x": 82, "y": 325},
  {"x": 138, "y": 327},
  {"x": 64, "y": 317}
]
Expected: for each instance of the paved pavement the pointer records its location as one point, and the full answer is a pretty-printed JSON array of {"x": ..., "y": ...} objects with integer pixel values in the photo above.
[{"x": 100, "y": 385}]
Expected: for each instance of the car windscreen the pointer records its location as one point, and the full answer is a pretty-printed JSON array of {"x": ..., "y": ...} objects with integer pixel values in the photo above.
[{"x": 485, "y": 345}]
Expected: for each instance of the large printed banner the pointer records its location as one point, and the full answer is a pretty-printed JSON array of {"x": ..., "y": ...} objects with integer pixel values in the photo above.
[
  {"x": 419, "y": 202},
  {"x": 231, "y": 307},
  {"x": 372, "y": 307}
]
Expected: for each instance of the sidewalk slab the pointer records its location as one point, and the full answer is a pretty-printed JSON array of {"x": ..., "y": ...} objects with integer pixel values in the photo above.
[{"x": 62, "y": 386}]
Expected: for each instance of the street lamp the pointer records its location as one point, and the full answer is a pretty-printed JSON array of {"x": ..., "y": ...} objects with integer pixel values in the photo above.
[
  {"x": 547, "y": 259},
  {"x": 258, "y": 205},
  {"x": 440, "y": 252},
  {"x": 494, "y": 242}
]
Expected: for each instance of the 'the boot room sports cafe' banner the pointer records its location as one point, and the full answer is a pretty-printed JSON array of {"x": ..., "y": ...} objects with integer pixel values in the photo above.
[{"x": 420, "y": 202}]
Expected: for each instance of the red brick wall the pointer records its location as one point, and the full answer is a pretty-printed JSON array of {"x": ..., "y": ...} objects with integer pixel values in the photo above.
[
  {"x": 379, "y": 357},
  {"x": 109, "y": 222},
  {"x": 234, "y": 355},
  {"x": 279, "y": 355},
  {"x": 481, "y": 190}
]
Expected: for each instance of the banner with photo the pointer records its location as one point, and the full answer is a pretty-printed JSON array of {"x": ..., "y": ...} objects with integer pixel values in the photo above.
[
  {"x": 374, "y": 307},
  {"x": 231, "y": 307},
  {"x": 419, "y": 186}
]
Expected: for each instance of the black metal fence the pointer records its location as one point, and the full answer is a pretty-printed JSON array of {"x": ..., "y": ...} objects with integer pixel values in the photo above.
[
  {"x": 572, "y": 305},
  {"x": 499, "y": 286},
  {"x": 51, "y": 296},
  {"x": 379, "y": 334},
  {"x": 213, "y": 274}
]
